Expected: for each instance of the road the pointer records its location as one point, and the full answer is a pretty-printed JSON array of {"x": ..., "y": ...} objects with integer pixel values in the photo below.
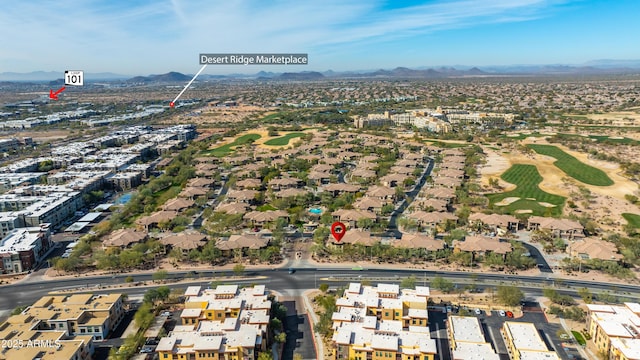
[
  {"x": 393, "y": 220},
  {"x": 29, "y": 290}
]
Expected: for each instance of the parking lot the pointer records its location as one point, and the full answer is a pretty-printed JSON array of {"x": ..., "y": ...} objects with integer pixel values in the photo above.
[{"x": 492, "y": 322}]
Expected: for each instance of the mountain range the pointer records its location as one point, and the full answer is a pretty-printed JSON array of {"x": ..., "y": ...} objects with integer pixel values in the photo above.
[{"x": 594, "y": 67}]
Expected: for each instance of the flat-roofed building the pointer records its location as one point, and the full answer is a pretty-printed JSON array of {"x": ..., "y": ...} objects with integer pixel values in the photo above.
[
  {"x": 382, "y": 322},
  {"x": 625, "y": 349},
  {"x": 467, "y": 340},
  {"x": 222, "y": 323},
  {"x": 23, "y": 249},
  {"x": 524, "y": 342},
  {"x": 28, "y": 342},
  {"x": 607, "y": 323}
]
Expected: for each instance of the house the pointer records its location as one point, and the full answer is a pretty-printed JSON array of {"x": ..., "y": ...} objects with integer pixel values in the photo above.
[
  {"x": 351, "y": 217},
  {"x": 290, "y": 193},
  {"x": 482, "y": 244},
  {"x": 499, "y": 224},
  {"x": 419, "y": 241},
  {"x": 561, "y": 228},
  {"x": 260, "y": 218},
  {"x": 233, "y": 208},
  {"x": 185, "y": 241},
  {"x": 383, "y": 193},
  {"x": 356, "y": 236},
  {"x": 393, "y": 180},
  {"x": 152, "y": 221},
  {"x": 243, "y": 241},
  {"x": 284, "y": 183},
  {"x": 192, "y": 192},
  {"x": 178, "y": 204},
  {"x": 369, "y": 204},
  {"x": 430, "y": 220},
  {"x": 124, "y": 238},
  {"x": 249, "y": 184},
  {"x": 337, "y": 189},
  {"x": 430, "y": 205},
  {"x": 246, "y": 196},
  {"x": 590, "y": 248}
]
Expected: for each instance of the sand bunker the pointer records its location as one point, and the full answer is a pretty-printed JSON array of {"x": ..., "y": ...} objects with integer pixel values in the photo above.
[
  {"x": 546, "y": 204},
  {"x": 524, "y": 211},
  {"x": 506, "y": 201}
]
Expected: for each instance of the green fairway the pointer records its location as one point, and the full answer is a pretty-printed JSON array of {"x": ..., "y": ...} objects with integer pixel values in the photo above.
[
  {"x": 283, "y": 140},
  {"x": 574, "y": 167},
  {"x": 527, "y": 178},
  {"x": 226, "y": 149},
  {"x": 632, "y": 219}
]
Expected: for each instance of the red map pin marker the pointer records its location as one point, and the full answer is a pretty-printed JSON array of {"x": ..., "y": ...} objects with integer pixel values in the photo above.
[
  {"x": 171, "y": 104},
  {"x": 337, "y": 230}
]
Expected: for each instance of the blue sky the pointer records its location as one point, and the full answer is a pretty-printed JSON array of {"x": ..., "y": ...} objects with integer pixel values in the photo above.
[{"x": 140, "y": 37}]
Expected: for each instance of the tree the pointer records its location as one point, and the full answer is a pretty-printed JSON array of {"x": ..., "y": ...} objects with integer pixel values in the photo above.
[
  {"x": 238, "y": 269},
  {"x": 558, "y": 298},
  {"x": 586, "y": 295},
  {"x": 510, "y": 295},
  {"x": 281, "y": 337},
  {"x": 128, "y": 279},
  {"x": 144, "y": 316},
  {"x": 442, "y": 284},
  {"x": 160, "y": 275},
  {"x": 324, "y": 287},
  {"x": 408, "y": 282},
  {"x": 265, "y": 355}
]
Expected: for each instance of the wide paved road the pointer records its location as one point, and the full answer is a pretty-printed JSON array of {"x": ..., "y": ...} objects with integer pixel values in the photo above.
[{"x": 27, "y": 292}]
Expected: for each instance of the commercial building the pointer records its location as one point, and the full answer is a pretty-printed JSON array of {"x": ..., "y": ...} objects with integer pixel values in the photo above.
[
  {"x": 524, "y": 342},
  {"x": 615, "y": 330},
  {"x": 467, "y": 340},
  {"x": 222, "y": 323},
  {"x": 382, "y": 322}
]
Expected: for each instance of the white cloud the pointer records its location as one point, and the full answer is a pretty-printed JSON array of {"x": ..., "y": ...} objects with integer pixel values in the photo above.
[{"x": 151, "y": 37}]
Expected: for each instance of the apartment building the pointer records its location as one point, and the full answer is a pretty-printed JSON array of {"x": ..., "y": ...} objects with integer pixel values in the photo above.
[
  {"x": 615, "y": 330},
  {"x": 79, "y": 314},
  {"x": 524, "y": 342},
  {"x": 222, "y": 323},
  {"x": 23, "y": 249},
  {"x": 467, "y": 340},
  {"x": 61, "y": 327},
  {"x": 382, "y": 322},
  {"x": 23, "y": 340}
]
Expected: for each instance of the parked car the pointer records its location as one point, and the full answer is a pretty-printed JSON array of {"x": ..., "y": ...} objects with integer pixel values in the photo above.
[
  {"x": 478, "y": 311},
  {"x": 502, "y": 313},
  {"x": 147, "y": 350},
  {"x": 509, "y": 314}
]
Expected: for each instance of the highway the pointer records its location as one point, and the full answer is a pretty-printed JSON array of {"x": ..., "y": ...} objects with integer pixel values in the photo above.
[{"x": 28, "y": 291}]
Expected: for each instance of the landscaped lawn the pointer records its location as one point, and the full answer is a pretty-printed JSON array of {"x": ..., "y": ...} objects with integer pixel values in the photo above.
[
  {"x": 283, "y": 140},
  {"x": 527, "y": 178},
  {"x": 579, "y": 337},
  {"x": 226, "y": 149},
  {"x": 632, "y": 219},
  {"x": 573, "y": 167}
]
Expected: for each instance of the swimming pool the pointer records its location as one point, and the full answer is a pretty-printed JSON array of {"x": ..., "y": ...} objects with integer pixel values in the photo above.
[
  {"x": 123, "y": 199},
  {"x": 316, "y": 211}
]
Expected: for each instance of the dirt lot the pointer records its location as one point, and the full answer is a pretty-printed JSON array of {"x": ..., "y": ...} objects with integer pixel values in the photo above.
[{"x": 42, "y": 136}]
